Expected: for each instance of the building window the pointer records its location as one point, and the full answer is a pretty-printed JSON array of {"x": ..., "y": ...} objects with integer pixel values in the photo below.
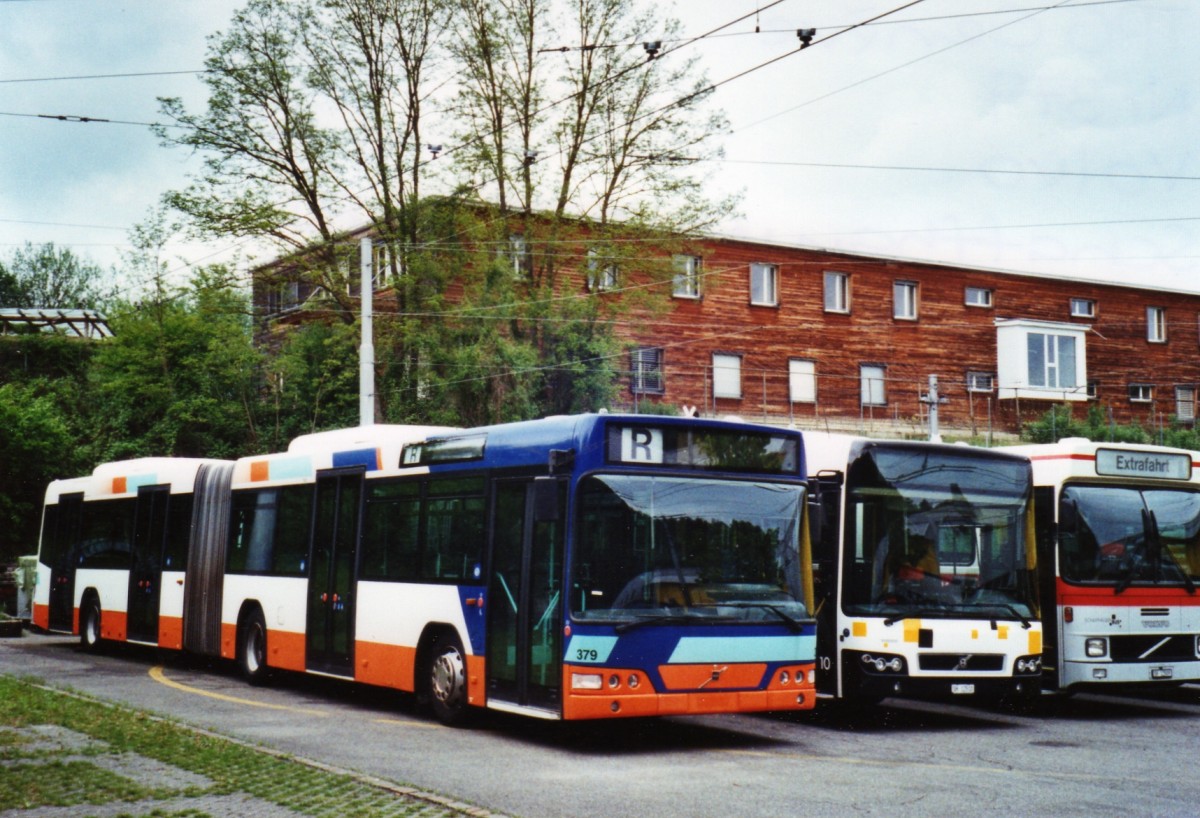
[
  {"x": 874, "y": 391},
  {"x": 645, "y": 370},
  {"x": 1156, "y": 325},
  {"x": 977, "y": 297},
  {"x": 904, "y": 300},
  {"x": 687, "y": 277},
  {"x": 727, "y": 375},
  {"x": 764, "y": 280},
  {"x": 802, "y": 381},
  {"x": 1040, "y": 359},
  {"x": 1093, "y": 390},
  {"x": 1141, "y": 392},
  {"x": 520, "y": 256},
  {"x": 1051, "y": 360},
  {"x": 980, "y": 381},
  {"x": 1185, "y": 403},
  {"x": 837, "y": 292},
  {"x": 1083, "y": 308},
  {"x": 601, "y": 272}
]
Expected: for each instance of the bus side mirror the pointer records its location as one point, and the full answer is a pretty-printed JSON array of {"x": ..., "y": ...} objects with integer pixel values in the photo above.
[
  {"x": 545, "y": 500},
  {"x": 1068, "y": 515}
]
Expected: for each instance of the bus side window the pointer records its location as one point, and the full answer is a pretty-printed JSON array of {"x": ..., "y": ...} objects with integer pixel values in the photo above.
[
  {"x": 179, "y": 531},
  {"x": 454, "y": 526},
  {"x": 290, "y": 553},
  {"x": 391, "y": 531},
  {"x": 107, "y": 534}
]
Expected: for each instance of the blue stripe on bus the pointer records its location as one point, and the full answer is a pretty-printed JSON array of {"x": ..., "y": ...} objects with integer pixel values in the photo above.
[
  {"x": 136, "y": 481},
  {"x": 291, "y": 468},
  {"x": 357, "y": 457},
  {"x": 792, "y": 648}
]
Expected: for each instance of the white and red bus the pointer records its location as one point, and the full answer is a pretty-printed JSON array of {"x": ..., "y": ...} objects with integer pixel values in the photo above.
[
  {"x": 569, "y": 568},
  {"x": 1119, "y": 547}
]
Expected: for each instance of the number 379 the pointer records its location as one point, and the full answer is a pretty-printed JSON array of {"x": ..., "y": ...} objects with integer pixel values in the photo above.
[{"x": 586, "y": 655}]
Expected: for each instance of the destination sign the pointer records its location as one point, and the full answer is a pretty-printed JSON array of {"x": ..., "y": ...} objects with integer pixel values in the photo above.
[
  {"x": 698, "y": 447},
  {"x": 1122, "y": 463}
]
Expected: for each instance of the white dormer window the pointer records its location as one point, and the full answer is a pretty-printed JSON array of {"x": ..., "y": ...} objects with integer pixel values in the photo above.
[{"x": 1044, "y": 360}]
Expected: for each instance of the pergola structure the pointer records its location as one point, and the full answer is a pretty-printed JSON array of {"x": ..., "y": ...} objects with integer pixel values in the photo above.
[{"x": 79, "y": 323}]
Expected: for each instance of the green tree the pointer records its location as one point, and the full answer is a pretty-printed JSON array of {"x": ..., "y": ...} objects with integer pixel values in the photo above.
[
  {"x": 53, "y": 277},
  {"x": 37, "y": 445},
  {"x": 312, "y": 383},
  {"x": 179, "y": 377},
  {"x": 317, "y": 109}
]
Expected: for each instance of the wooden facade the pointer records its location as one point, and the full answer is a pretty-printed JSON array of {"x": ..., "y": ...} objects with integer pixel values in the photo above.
[
  {"x": 762, "y": 331},
  {"x": 862, "y": 358}
]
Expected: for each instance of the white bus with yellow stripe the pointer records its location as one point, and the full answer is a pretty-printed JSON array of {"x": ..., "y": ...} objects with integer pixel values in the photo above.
[{"x": 926, "y": 570}]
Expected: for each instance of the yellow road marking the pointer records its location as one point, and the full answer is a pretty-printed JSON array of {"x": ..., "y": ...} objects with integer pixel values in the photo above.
[
  {"x": 871, "y": 762},
  {"x": 156, "y": 673},
  {"x": 409, "y": 723}
]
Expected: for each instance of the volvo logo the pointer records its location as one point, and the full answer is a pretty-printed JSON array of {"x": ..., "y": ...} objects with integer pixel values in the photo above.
[{"x": 963, "y": 662}]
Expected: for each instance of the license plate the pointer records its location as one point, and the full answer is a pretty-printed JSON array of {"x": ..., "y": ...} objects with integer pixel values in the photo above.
[
  {"x": 1162, "y": 672},
  {"x": 962, "y": 690}
]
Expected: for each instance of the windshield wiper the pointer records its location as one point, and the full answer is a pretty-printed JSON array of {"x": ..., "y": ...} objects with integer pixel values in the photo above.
[
  {"x": 1025, "y": 625},
  {"x": 794, "y": 625},
  {"x": 634, "y": 624},
  {"x": 911, "y": 612}
]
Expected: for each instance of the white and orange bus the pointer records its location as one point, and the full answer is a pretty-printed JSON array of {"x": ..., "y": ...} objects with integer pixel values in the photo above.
[
  {"x": 578, "y": 567},
  {"x": 1119, "y": 546}
]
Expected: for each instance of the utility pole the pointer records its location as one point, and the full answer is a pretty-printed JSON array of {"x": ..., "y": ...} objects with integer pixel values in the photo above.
[
  {"x": 366, "y": 352},
  {"x": 931, "y": 399}
]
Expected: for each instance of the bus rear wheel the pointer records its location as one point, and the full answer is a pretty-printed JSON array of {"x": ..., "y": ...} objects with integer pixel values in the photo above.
[
  {"x": 446, "y": 680},
  {"x": 252, "y": 650},
  {"x": 89, "y": 625}
]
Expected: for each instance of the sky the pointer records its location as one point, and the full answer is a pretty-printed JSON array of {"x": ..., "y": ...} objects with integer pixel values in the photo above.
[{"x": 1038, "y": 136}]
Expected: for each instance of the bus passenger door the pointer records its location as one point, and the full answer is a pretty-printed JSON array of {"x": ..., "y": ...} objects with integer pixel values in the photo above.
[
  {"x": 524, "y": 639},
  {"x": 145, "y": 570},
  {"x": 330, "y": 630},
  {"x": 62, "y": 564}
]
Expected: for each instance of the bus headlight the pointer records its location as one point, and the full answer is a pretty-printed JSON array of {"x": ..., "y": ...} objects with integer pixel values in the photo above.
[
  {"x": 1029, "y": 664},
  {"x": 1096, "y": 647},
  {"x": 883, "y": 663},
  {"x": 1198, "y": 647},
  {"x": 587, "y": 681}
]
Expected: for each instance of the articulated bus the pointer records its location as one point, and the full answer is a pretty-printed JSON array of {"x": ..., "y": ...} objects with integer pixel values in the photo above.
[
  {"x": 925, "y": 570},
  {"x": 119, "y": 538},
  {"x": 1119, "y": 544},
  {"x": 569, "y": 568}
]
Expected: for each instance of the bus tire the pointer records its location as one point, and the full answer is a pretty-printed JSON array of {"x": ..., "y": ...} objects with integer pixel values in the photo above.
[
  {"x": 89, "y": 625},
  {"x": 252, "y": 649},
  {"x": 446, "y": 681}
]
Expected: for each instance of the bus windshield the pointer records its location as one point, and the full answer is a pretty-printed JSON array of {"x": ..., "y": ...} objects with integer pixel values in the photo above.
[
  {"x": 934, "y": 533},
  {"x": 654, "y": 548},
  {"x": 1120, "y": 536}
]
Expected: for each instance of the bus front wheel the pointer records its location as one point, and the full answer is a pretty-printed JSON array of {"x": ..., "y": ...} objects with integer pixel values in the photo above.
[
  {"x": 447, "y": 681},
  {"x": 89, "y": 625},
  {"x": 252, "y": 653}
]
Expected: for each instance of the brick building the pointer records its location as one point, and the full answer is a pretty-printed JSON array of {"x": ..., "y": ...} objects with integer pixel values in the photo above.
[{"x": 835, "y": 340}]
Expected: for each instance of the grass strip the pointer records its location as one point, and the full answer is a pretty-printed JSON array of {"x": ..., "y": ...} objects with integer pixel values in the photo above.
[{"x": 232, "y": 767}]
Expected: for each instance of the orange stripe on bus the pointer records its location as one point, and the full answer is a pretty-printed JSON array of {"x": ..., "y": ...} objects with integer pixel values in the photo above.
[
  {"x": 259, "y": 470},
  {"x": 709, "y": 677},
  {"x": 41, "y": 616},
  {"x": 385, "y": 665},
  {"x": 170, "y": 632},
  {"x": 285, "y": 649},
  {"x": 112, "y": 625}
]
